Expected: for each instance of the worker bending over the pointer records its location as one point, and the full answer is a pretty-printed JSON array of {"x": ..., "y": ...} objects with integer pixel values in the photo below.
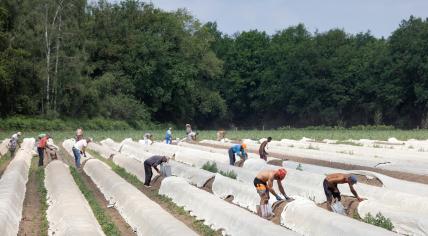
[
  {"x": 238, "y": 149},
  {"x": 262, "y": 149},
  {"x": 153, "y": 161},
  {"x": 264, "y": 184},
  {"x": 330, "y": 186}
]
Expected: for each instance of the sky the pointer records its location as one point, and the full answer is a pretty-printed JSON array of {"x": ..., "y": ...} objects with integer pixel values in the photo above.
[{"x": 380, "y": 17}]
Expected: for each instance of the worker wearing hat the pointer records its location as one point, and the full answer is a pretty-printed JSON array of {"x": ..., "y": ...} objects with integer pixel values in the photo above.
[
  {"x": 264, "y": 184},
  {"x": 238, "y": 149},
  {"x": 332, "y": 191}
]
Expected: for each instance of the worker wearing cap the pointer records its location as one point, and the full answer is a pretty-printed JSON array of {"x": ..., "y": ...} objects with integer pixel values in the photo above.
[
  {"x": 330, "y": 186},
  {"x": 264, "y": 184},
  {"x": 168, "y": 136},
  {"x": 13, "y": 143},
  {"x": 238, "y": 149}
]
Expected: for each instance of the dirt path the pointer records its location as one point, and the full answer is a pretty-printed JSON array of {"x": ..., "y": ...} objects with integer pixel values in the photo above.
[
  {"x": 124, "y": 228},
  {"x": 395, "y": 174},
  {"x": 31, "y": 215}
]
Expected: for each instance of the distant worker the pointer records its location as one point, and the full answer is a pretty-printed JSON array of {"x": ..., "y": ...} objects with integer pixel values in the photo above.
[
  {"x": 51, "y": 149},
  {"x": 264, "y": 184},
  {"x": 190, "y": 135},
  {"x": 153, "y": 161},
  {"x": 168, "y": 136},
  {"x": 330, "y": 186},
  {"x": 41, "y": 146},
  {"x": 188, "y": 129},
  {"x": 148, "y": 139},
  {"x": 13, "y": 143},
  {"x": 221, "y": 134},
  {"x": 79, "y": 134},
  {"x": 79, "y": 148},
  {"x": 262, "y": 149},
  {"x": 238, "y": 149}
]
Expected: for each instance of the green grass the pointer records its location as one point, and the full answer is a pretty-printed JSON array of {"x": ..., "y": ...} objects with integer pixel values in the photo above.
[
  {"x": 379, "y": 220},
  {"x": 40, "y": 180},
  {"x": 212, "y": 167},
  {"x": 198, "y": 225},
  {"x": 339, "y": 134},
  {"x": 103, "y": 219},
  {"x": 5, "y": 159}
]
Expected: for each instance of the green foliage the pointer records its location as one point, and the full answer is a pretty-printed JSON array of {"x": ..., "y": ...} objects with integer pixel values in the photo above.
[
  {"x": 210, "y": 166},
  {"x": 231, "y": 174},
  {"x": 40, "y": 180},
  {"x": 379, "y": 220},
  {"x": 107, "y": 225}
]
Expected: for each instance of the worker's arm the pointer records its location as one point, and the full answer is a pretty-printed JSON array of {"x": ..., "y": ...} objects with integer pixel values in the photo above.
[
  {"x": 83, "y": 151},
  {"x": 271, "y": 190},
  {"x": 351, "y": 187},
  {"x": 156, "y": 169},
  {"x": 281, "y": 189}
]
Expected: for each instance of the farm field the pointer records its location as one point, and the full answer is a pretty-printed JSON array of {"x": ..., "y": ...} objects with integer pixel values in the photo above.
[{"x": 108, "y": 196}]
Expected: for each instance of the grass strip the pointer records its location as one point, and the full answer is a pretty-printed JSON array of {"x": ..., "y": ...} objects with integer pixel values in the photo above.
[
  {"x": 41, "y": 189},
  {"x": 107, "y": 225},
  {"x": 198, "y": 225}
]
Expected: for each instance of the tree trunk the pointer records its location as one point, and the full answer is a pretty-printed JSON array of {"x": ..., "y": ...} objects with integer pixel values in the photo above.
[
  {"x": 48, "y": 55},
  {"x": 58, "y": 41}
]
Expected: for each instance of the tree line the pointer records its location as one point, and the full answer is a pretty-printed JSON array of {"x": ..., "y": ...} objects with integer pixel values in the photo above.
[{"x": 134, "y": 62}]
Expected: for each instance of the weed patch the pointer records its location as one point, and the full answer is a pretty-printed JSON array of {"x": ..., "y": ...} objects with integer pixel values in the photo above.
[
  {"x": 379, "y": 220},
  {"x": 40, "y": 179}
]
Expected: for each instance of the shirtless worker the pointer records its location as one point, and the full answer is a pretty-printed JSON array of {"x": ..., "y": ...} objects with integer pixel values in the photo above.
[
  {"x": 330, "y": 186},
  {"x": 262, "y": 149},
  {"x": 264, "y": 184}
]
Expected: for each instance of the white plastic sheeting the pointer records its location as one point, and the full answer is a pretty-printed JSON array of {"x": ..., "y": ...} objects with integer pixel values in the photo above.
[
  {"x": 142, "y": 214},
  {"x": 217, "y": 213},
  {"x": 194, "y": 175},
  {"x": 69, "y": 213},
  {"x": 393, "y": 162},
  {"x": 304, "y": 217},
  {"x": 244, "y": 194},
  {"x": 3, "y": 147},
  {"x": 111, "y": 143},
  {"x": 408, "y": 212},
  {"x": 13, "y": 187}
]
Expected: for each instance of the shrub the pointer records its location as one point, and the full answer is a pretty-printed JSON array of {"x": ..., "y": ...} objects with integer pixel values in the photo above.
[
  {"x": 379, "y": 220},
  {"x": 229, "y": 174},
  {"x": 211, "y": 167}
]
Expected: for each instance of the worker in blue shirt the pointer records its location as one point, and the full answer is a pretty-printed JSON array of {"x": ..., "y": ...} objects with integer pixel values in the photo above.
[
  {"x": 237, "y": 149},
  {"x": 168, "y": 136}
]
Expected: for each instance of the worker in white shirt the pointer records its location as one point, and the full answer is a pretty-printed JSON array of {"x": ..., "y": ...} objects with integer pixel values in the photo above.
[{"x": 79, "y": 148}]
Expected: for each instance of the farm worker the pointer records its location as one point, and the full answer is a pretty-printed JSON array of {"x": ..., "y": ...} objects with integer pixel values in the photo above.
[
  {"x": 79, "y": 148},
  {"x": 330, "y": 186},
  {"x": 41, "y": 146},
  {"x": 148, "y": 138},
  {"x": 221, "y": 134},
  {"x": 190, "y": 135},
  {"x": 264, "y": 184},
  {"x": 153, "y": 161},
  {"x": 237, "y": 149},
  {"x": 188, "y": 129},
  {"x": 14, "y": 141},
  {"x": 262, "y": 149},
  {"x": 168, "y": 136},
  {"x": 79, "y": 134},
  {"x": 51, "y": 149}
]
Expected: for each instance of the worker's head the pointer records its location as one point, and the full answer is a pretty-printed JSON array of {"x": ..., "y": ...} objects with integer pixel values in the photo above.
[
  {"x": 19, "y": 133},
  {"x": 169, "y": 128},
  {"x": 352, "y": 179},
  {"x": 244, "y": 146},
  {"x": 187, "y": 125},
  {"x": 280, "y": 173},
  {"x": 269, "y": 139}
]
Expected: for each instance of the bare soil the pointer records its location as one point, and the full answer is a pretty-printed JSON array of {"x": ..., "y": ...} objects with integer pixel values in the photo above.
[
  {"x": 395, "y": 174},
  {"x": 373, "y": 182},
  {"x": 124, "y": 228},
  {"x": 277, "y": 162},
  {"x": 277, "y": 209},
  {"x": 31, "y": 215},
  {"x": 208, "y": 186}
]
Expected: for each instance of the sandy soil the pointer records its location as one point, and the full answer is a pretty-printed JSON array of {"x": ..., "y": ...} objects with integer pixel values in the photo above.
[{"x": 350, "y": 204}]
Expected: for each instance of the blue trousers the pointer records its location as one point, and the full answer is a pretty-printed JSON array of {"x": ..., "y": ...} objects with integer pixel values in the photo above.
[{"x": 76, "y": 153}]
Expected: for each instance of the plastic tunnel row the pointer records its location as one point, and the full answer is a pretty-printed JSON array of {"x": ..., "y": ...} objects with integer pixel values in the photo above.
[{"x": 244, "y": 197}]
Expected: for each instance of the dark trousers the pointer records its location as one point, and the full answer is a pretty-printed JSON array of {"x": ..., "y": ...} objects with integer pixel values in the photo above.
[
  {"x": 232, "y": 158},
  {"x": 148, "y": 173},
  {"x": 41, "y": 152}
]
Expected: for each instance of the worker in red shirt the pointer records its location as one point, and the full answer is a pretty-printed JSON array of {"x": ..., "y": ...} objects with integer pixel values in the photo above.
[{"x": 41, "y": 148}]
